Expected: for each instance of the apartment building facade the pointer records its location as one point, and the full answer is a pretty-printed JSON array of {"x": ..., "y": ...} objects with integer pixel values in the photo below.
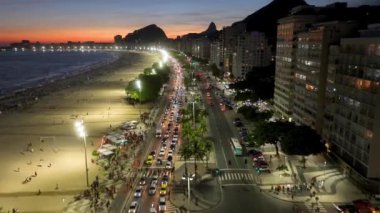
[
  {"x": 356, "y": 125},
  {"x": 252, "y": 50}
]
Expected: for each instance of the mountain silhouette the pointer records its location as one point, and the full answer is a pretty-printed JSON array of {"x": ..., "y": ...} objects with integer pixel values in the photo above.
[
  {"x": 149, "y": 34},
  {"x": 265, "y": 19}
]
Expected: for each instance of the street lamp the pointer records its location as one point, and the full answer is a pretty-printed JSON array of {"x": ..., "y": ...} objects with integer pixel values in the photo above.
[
  {"x": 193, "y": 102},
  {"x": 138, "y": 84},
  {"x": 189, "y": 178},
  {"x": 79, "y": 127}
]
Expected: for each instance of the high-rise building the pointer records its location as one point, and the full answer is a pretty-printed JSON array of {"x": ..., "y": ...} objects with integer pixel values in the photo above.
[
  {"x": 216, "y": 53},
  {"x": 229, "y": 40},
  {"x": 356, "y": 135},
  {"x": 310, "y": 71},
  {"x": 252, "y": 50},
  {"x": 287, "y": 31},
  {"x": 201, "y": 48}
]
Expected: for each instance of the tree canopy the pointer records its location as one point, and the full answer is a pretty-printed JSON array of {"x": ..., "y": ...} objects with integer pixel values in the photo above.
[
  {"x": 151, "y": 83},
  {"x": 302, "y": 140},
  {"x": 260, "y": 80}
]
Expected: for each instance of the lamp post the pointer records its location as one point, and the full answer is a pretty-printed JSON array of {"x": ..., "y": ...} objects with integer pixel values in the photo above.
[
  {"x": 189, "y": 178},
  {"x": 193, "y": 102},
  {"x": 79, "y": 127},
  {"x": 138, "y": 84}
]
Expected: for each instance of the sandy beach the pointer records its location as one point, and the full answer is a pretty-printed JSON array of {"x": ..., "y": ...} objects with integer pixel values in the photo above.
[{"x": 54, "y": 158}]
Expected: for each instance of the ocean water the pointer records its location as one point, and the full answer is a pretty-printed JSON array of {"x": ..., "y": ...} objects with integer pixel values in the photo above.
[{"x": 21, "y": 70}]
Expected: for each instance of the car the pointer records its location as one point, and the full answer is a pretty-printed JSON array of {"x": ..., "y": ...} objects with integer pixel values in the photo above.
[
  {"x": 236, "y": 120},
  {"x": 170, "y": 153},
  {"x": 162, "y": 204},
  {"x": 134, "y": 207},
  {"x": 253, "y": 152},
  {"x": 153, "y": 209},
  {"x": 164, "y": 184},
  {"x": 350, "y": 208},
  {"x": 163, "y": 190},
  {"x": 170, "y": 158},
  {"x": 138, "y": 192},
  {"x": 168, "y": 165},
  {"x": 162, "y": 152},
  {"x": 159, "y": 161},
  {"x": 172, "y": 146},
  {"x": 142, "y": 181},
  {"x": 153, "y": 153},
  {"x": 149, "y": 160},
  {"x": 260, "y": 163},
  {"x": 167, "y": 134},
  {"x": 258, "y": 158},
  {"x": 155, "y": 177},
  {"x": 152, "y": 189},
  {"x": 166, "y": 176},
  {"x": 158, "y": 133}
]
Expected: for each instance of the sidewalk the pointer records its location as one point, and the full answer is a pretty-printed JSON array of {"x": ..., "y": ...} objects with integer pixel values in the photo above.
[
  {"x": 315, "y": 182},
  {"x": 205, "y": 191},
  {"x": 319, "y": 176}
]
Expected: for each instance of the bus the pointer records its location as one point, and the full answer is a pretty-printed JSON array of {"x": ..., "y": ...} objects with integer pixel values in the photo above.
[{"x": 236, "y": 147}]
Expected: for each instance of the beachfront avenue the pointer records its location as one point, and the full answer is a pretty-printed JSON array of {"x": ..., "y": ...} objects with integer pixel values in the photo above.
[{"x": 161, "y": 180}]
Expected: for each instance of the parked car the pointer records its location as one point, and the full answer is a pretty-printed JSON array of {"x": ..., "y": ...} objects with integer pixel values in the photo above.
[
  {"x": 260, "y": 164},
  {"x": 253, "y": 152},
  {"x": 258, "y": 158},
  {"x": 236, "y": 120}
]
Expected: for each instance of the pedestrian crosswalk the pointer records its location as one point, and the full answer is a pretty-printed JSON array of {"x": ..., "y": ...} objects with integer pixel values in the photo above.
[
  {"x": 315, "y": 207},
  {"x": 236, "y": 177}
]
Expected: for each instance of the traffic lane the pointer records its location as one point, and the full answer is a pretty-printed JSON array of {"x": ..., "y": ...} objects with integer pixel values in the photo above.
[
  {"x": 237, "y": 161},
  {"x": 222, "y": 134},
  {"x": 148, "y": 200},
  {"x": 240, "y": 198}
]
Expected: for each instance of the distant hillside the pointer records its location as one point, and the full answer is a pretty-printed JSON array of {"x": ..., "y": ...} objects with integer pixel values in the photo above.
[
  {"x": 149, "y": 34},
  {"x": 265, "y": 19}
]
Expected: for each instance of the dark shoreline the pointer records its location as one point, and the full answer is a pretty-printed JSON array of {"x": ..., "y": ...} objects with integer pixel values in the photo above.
[{"x": 23, "y": 99}]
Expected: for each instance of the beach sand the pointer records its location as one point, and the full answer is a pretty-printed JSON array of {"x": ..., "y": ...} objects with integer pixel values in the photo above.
[{"x": 58, "y": 153}]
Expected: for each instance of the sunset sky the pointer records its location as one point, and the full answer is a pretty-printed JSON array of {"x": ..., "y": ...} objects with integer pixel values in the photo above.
[{"x": 100, "y": 20}]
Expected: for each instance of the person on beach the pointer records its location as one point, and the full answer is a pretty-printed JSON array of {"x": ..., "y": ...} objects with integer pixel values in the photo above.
[{"x": 35, "y": 174}]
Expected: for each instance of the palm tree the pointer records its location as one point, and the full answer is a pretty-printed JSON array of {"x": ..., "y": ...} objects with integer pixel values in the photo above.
[
  {"x": 203, "y": 126},
  {"x": 186, "y": 130},
  {"x": 186, "y": 152},
  {"x": 199, "y": 152}
]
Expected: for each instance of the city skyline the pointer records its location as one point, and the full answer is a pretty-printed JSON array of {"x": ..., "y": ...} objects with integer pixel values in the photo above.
[{"x": 100, "y": 21}]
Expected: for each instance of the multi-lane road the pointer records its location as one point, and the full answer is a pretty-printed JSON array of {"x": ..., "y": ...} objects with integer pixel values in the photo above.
[{"x": 239, "y": 192}]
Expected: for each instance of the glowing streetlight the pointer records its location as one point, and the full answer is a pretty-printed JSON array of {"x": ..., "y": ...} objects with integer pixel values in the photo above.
[
  {"x": 154, "y": 72},
  {"x": 189, "y": 178},
  {"x": 79, "y": 127}
]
